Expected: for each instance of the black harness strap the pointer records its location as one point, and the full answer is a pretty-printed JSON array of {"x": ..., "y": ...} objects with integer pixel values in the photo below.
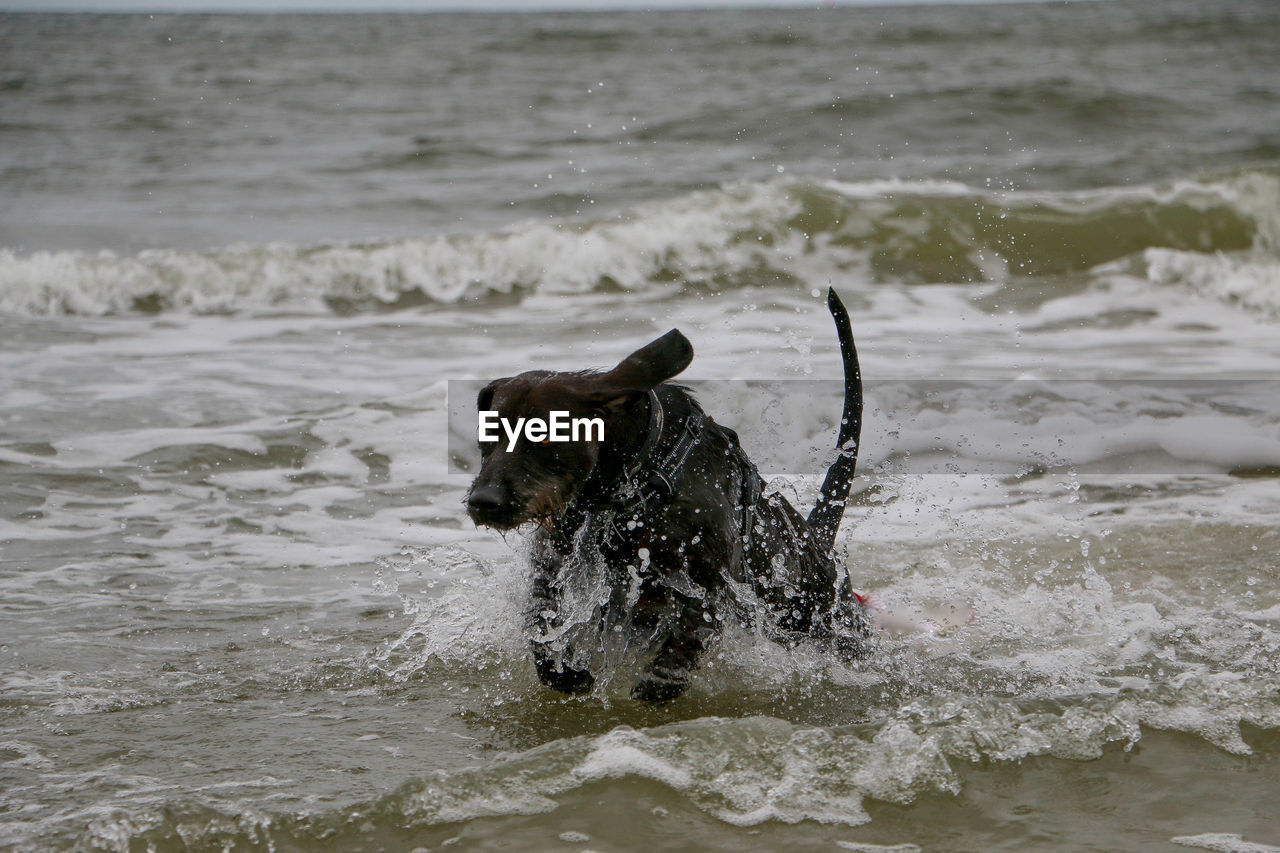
[
  {"x": 650, "y": 484},
  {"x": 752, "y": 485},
  {"x": 635, "y": 497}
]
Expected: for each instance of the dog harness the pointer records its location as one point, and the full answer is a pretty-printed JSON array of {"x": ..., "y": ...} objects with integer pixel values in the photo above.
[
  {"x": 639, "y": 495},
  {"x": 642, "y": 494},
  {"x": 635, "y": 497}
]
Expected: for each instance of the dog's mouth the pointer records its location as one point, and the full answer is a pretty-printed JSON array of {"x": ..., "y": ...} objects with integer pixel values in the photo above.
[{"x": 500, "y": 518}]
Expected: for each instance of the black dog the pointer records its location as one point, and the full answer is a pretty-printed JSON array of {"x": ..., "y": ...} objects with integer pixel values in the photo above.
[{"x": 666, "y": 517}]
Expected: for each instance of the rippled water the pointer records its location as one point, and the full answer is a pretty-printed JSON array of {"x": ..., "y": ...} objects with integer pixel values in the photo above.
[{"x": 244, "y": 258}]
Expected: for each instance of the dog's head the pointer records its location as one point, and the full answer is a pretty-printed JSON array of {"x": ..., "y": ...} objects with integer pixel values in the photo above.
[{"x": 524, "y": 480}]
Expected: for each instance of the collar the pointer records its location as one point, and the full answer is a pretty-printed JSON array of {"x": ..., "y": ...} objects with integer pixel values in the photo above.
[{"x": 651, "y": 481}]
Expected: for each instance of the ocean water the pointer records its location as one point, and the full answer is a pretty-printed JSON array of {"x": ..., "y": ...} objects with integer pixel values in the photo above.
[{"x": 243, "y": 259}]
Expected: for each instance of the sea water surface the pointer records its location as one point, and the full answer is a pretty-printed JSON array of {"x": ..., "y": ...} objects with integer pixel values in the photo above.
[{"x": 243, "y": 258}]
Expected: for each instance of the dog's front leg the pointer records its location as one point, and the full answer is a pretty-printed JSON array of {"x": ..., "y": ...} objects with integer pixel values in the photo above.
[
  {"x": 550, "y": 659},
  {"x": 686, "y": 639}
]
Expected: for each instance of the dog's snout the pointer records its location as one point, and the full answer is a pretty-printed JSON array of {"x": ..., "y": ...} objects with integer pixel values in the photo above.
[
  {"x": 494, "y": 506},
  {"x": 486, "y": 499}
]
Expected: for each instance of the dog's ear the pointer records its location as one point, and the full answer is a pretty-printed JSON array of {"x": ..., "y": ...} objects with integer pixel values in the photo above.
[
  {"x": 484, "y": 400},
  {"x": 647, "y": 367}
]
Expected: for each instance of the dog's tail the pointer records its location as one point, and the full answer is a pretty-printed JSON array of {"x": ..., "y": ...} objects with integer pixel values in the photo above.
[{"x": 825, "y": 517}]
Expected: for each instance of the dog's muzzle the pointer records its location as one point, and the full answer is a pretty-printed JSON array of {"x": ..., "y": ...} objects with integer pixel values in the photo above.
[{"x": 493, "y": 506}]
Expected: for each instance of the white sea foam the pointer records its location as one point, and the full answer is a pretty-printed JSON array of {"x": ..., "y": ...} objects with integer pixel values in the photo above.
[
  {"x": 1223, "y": 842},
  {"x": 740, "y": 233},
  {"x": 686, "y": 238},
  {"x": 1250, "y": 280},
  {"x": 749, "y": 770},
  {"x": 299, "y": 461}
]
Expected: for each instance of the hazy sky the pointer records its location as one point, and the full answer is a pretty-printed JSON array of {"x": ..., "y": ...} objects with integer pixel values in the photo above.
[{"x": 412, "y": 5}]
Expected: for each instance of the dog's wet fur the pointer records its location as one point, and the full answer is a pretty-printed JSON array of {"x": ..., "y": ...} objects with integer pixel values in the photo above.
[{"x": 672, "y": 565}]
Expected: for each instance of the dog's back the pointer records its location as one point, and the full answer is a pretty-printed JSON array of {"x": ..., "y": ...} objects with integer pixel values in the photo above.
[{"x": 754, "y": 552}]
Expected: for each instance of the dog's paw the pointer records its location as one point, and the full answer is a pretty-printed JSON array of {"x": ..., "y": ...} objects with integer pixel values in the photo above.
[
  {"x": 565, "y": 679},
  {"x": 660, "y": 687}
]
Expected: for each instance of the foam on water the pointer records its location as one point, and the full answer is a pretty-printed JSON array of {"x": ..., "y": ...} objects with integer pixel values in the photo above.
[
  {"x": 1051, "y": 458},
  {"x": 1080, "y": 643},
  {"x": 1223, "y": 842},
  {"x": 1251, "y": 280},
  {"x": 243, "y": 606},
  {"x": 1214, "y": 236}
]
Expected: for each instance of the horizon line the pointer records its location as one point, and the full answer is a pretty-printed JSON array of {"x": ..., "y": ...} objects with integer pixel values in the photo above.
[{"x": 416, "y": 7}]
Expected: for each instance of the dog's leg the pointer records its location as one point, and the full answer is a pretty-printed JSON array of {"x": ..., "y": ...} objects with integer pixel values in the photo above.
[
  {"x": 686, "y": 639},
  {"x": 544, "y": 606}
]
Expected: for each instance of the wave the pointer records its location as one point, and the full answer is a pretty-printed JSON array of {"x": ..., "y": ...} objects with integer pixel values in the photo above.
[
  {"x": 1030, "y": 678},
  {"x": 744, "y": 771},
  {"x": 1063, "y": 662},
  {"x": 1218, "y": 236}
]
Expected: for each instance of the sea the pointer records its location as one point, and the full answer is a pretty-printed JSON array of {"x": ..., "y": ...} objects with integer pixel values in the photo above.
[{"x": 246, "y": 261}]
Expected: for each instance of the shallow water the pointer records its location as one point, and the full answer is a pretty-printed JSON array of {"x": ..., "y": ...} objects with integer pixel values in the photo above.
[{"x": 243, "y": 606}]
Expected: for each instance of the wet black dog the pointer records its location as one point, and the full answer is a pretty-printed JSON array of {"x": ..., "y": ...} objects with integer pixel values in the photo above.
[{"x": 668, "y": 510}]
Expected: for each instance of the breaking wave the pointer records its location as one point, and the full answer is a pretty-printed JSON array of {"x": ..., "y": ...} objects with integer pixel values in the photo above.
[
  {"x": 1221, "y": 237},
  {"x": 1033, "y": 677}
]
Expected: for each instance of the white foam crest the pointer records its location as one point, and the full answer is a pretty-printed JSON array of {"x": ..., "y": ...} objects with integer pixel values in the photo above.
[
  {"x": 744, "y": 771},
  {"x": 866, "y": 190},
  {"x": 749, "y": 770},
  {"x": 616, "y": 755},
  {"x": 1223, "y": 842},
  {"x": 657, "y": 246},
  {"x": 687, "y": 237},
  {"x": 1253, "y": 192},
  {"x": 1251, "y": 280}
]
